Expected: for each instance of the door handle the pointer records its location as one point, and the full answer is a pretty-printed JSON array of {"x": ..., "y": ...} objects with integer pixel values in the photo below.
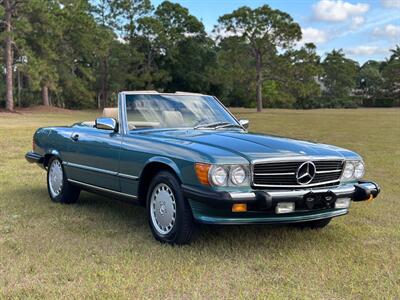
[{"x": 75, "y": 137}]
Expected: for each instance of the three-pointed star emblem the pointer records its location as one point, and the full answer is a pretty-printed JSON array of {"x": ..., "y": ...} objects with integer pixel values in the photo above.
[{"x": 305, "y": 172}]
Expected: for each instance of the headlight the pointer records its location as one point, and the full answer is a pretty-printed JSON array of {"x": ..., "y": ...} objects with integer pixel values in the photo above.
[
  {"x": 353, "y": 169},
  {"x": 218, "y": 175},
  {"x": 223, "y": 175},
  {"x": 348, "y": 171},
  {"x": 238, "y": 175},
  {"x": 359, "y": 170}
]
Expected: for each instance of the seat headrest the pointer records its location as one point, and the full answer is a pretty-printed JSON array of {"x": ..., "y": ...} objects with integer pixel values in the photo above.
[
  {"x": 172, "y": 118},
  {"x": 110, "y": 112}
]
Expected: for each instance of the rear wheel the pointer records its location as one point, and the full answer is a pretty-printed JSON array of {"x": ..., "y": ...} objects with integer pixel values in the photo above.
[
  {"x": 317, "y": 224},
  {"x": 60, "y": 190},
  {"x": 169, "y": 214}
]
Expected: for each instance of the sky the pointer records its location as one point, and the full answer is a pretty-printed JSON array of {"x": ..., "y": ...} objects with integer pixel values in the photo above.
[{"x": 365, "y": 29}]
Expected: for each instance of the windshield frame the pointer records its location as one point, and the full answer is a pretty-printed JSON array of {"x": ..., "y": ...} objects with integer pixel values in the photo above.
[{"x": 124, "y": 117}]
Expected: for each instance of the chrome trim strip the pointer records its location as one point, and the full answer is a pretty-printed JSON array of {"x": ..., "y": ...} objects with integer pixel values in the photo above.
[
  {"x": 69, "y": 164},
  {"x": 296, "y": 186},
  {"x": 299, "y": 193},
  {"x": 341, "y": 190},
  {"x": 127, "y": 176},
  {"x": 122, "y": 113},
  {"x": 274, "y": 174},
  {"x": 112, "y": 173},
  {"x": 101, "y": 189},
  {"x": 229, "y": 112},
  {"x": 120, "y": 124},
  {"x": 152, "y": 92},
  {"x": 329, "y": 171},
  {"x": 238, "y": 195},
  {"x": 296, "y": 158},
  {"x": 145, "y": 92}
]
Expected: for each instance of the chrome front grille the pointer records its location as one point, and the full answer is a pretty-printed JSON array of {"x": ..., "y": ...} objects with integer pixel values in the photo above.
[{"x": 282, "y": 174}]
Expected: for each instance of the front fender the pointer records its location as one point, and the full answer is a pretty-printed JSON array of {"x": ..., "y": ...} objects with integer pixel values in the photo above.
[
  {"x": 167, "y": 161},
  {"x": 53, "y": 152}
]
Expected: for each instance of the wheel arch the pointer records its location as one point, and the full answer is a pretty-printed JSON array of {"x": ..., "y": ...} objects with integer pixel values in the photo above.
[
  {"x": 152, "y": 167},
  {"x": 48, "y": 155}
]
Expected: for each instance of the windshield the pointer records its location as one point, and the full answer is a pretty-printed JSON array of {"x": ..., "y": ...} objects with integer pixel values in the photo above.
[{"x": 175, "y": 111}]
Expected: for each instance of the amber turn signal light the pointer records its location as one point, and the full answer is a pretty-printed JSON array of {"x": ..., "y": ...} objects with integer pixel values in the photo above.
[
  {"x": 239, "y": 207},
  {"x": 202, "y": 172}
]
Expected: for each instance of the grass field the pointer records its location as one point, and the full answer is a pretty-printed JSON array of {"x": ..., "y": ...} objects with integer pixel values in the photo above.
[{"x": 100, "y": 248}]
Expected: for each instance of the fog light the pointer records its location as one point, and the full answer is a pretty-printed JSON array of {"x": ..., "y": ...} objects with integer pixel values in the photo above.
[
  {"x": 342, "y": 203},
  {"x": 309, "y": 200},
  {"x": 239, "y": 207},
  {"x": 284, "y": 207},
  {"x": 329, "y": 198}
]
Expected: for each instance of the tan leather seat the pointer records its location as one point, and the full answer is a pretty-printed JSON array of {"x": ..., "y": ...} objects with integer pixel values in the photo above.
[{"x": 110, "y": 112}]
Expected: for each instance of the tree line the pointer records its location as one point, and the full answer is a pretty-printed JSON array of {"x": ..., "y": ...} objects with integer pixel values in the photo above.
[{"x": 80, "y": 53}]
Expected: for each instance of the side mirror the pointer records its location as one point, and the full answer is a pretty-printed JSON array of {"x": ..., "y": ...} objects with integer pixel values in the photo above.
[
  {"x": 106, "y": 124},
  {"x": 244, "y": 123}
]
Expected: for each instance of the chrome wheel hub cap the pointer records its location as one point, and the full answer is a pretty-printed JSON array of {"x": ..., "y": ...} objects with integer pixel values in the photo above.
[
  {"x": 55, "y": 178},
  {"x": 163, "y": 208}
]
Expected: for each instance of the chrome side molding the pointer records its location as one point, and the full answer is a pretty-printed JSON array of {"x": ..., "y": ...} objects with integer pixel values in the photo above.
[
  {"x": 95, "y": 187},
  {"x": 113, "y": 173}
]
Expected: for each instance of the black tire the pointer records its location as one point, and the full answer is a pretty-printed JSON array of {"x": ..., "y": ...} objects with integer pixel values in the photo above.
[
  {"x": 317, "y": 224},
  {"x": 68, "y": 193},
  {"x": 183, "y": 228}
]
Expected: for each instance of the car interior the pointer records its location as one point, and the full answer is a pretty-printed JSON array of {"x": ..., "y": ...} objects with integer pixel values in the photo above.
[{"x": 169, "y": 119}]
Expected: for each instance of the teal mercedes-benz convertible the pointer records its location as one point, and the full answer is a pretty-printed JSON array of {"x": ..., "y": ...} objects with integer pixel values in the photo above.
[{"x": 187, "y": 159}]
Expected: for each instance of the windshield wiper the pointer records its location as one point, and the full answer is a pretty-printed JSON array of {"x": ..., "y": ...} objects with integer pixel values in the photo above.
[
  {"x": 211, "y": 125},
  {"x": 217, "y": 125},
  {"x": 229, "y": 125}
]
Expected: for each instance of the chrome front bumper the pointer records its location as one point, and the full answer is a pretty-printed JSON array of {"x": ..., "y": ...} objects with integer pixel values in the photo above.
[
  {"x": 33, "y": 157},
  {"x": 360, "y": 191},
  {"x": 263, "y": 206},
  {"x": 268, "y": 199}
]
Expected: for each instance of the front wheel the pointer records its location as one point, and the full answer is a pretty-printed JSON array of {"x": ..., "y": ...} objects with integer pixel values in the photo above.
[
  {"x": 60, "y": 190},
  {"x": 169, "y": 214},
  {"x": 317, "y": 224}
]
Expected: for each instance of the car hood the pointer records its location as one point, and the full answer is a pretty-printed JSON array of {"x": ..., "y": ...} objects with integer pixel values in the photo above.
[{"x": 248, "y": 145}]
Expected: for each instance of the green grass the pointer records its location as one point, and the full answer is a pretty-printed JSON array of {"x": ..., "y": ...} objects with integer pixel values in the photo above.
[{"x": 100, "y": 248}]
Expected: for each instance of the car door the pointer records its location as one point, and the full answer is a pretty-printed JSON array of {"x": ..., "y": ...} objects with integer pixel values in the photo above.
[
  {"x": 95, "y": 158},
  {"x": 134, "y": 154}
]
